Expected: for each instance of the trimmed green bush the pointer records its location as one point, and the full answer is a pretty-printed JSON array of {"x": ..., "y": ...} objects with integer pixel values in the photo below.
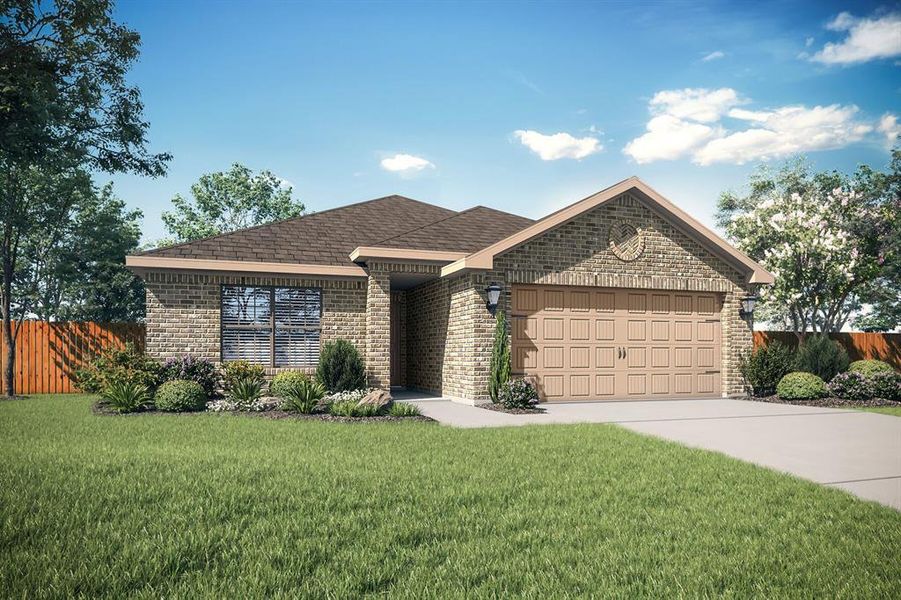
[
  {"x": 499, "y": 367},
  {"x": 340, "y": 367},
  {"x": 284, "y": 381},
  {"x": 180, "y": 395},
  {"x": 201, "y": 370},
  {"x": 766, "y": 366},
  {"x": 870, "y": 367},
  {"x": 301, "y": 394},
  {"x": 126, "y": 396},
  {"x": 822, "y": 357},
  {"x": 801, "y": 386},
  {"x": 518, "y": 393}
]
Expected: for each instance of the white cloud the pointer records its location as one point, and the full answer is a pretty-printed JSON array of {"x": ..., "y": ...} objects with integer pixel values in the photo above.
[
  {"x": 713, "y": 56},
  {"x": 695, "y": 123},
  {"x": 808, "y": 42},
  {"x": 867, "y": 39},
  {"x": 697, "y": 104},
  {"x": 890, "y": 128},
  {"x": 668, "y": 138},
  {"x": 405, "y": 163},
  {"x": 558, "y": 145},
  {"x": 785, "y": 131}
]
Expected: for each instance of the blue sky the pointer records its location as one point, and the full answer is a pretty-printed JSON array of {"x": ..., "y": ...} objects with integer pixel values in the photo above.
[{"x": 523, "y": 107}]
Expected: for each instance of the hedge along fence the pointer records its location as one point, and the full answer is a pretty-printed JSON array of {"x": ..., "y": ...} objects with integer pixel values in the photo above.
[
  {"x": 881, "y": 346},
  {"x": 47, "y": 354}
]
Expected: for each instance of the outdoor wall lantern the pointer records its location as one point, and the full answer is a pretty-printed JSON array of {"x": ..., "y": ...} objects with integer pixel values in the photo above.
[
  {"x": 494, "y": 294},
  {"x": 747, "y": 306}
]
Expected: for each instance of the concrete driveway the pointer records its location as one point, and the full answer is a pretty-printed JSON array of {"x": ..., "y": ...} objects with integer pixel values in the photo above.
[{"x": 856, "y": 451}]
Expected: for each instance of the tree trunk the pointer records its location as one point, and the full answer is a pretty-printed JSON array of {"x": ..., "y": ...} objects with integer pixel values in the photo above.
[{"x": 10, "y": 366}]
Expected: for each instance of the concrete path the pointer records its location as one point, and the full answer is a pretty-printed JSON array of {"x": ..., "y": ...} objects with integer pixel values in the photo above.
[{"x": 856, "y": 451}]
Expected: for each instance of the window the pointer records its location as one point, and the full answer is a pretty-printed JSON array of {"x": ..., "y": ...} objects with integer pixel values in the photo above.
[{"x": 274, "y": 326}]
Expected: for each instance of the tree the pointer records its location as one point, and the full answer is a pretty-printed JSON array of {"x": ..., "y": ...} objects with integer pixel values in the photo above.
[
  {"x": 65, "y": 108},
  {"x": 230, "y": 200},
  {"x": 83, "y": 276},
  {"x": 823, "y": 236}
]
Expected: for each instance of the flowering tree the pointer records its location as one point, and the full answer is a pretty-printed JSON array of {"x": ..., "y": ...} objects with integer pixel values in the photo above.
[{"x": 821, "y": 236}]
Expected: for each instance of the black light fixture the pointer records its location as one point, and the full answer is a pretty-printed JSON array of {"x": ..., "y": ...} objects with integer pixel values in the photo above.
[
  {"x": 747, "y": 306},
  {"x": 494, "y": 294}
]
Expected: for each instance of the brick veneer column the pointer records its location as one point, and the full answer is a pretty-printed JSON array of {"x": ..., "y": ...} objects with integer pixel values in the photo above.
[{"x": 378, "y": 327}]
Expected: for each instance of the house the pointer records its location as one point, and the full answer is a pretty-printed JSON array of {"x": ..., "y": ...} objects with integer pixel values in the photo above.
[{"x": 621, "y": 295}]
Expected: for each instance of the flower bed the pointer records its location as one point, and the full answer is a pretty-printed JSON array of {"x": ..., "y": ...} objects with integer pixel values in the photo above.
[
  {"x": 534, "y": 410},
  {"x": 829, "y": 401}
]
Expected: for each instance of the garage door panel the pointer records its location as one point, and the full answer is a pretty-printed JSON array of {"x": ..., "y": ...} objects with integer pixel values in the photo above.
[{"x": 582, "y": 343}]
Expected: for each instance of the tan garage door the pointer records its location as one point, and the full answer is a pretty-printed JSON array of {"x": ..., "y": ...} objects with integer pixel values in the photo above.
[{"x": 584, "y": 343}]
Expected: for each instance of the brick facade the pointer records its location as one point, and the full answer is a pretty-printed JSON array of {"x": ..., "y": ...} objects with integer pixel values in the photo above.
[{"x": 447, "y": 330}]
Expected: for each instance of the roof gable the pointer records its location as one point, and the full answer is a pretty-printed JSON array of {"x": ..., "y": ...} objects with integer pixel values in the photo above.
[{"x": 484, "y": 258}]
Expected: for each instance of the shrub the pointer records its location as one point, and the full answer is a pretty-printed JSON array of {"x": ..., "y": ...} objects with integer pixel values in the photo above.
[
  {"x": 870, "y": 367},
  {"x": 241, "y": 370},
  {"x": 851, "y": 385},
  {"x": 180, "y": 395},
  {"x": 766, "y": 366},
  {"x": 302, "y": 395},
  {"x": 343, "y": 408},
  {"x": 801, "y": 386},
  {"x": 188, "y": 368},
  {"x": 340, "y": 367},
  {"x": 887, "y": 385},
  {"x": 355, "y": 395},
  {"x": 403, "y": 409},
  {"x": 118, "y": 364},
  {"x": 284, "y": 381},
  {"x": 244, "y": 392},
  {"x": 126, "y": 396},
  {"x": 499, "y": 367},
  {"x": 257, "y": 405},
  {"x": 518, "y": 393},
  {"x": 822, "y": 357}
]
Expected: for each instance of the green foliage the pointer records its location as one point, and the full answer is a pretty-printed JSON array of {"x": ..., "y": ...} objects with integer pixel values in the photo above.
[
  {"x": 852, "y": 385},
  {"x": 340, "y": 367},
  {"x": 344, "y": 408},
  {"x": 116, "y": 365},
  {"x": 826, "y": 237},
  {"x": 180, "y": 396},
  {"x": 201, "y": 370},
  {"x": 403, "y": 409},
  {"x": 869, "y": 367},
  {"x": 499, "y": 367},
  {"x": 284, "y": 382},
  {"x": 302, "y": 394},
  {"x": 822, "y": 357},
  {"x": 66, "y": 110},
  {"x": 886, "y": 385},
  {"x": 518, "y": 393},
  {"x": 801, "y": 386},
  {"x": 241, "y": 370},
  {"x": 766, "y": 366},
  {"x": 230, "y": 200},
  {"x": 126, "y": 396},
  {"x": 244, "y": 392}
]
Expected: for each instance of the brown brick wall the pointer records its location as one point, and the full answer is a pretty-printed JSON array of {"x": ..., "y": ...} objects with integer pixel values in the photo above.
[
  {"x": 577, "y": 253},
  {"x": 183, "y": 310}
]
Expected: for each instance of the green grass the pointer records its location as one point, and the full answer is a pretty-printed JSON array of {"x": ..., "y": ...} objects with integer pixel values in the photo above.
[
  {"x": 226, "y": 506},
  {"x": 886, "y": 410}
]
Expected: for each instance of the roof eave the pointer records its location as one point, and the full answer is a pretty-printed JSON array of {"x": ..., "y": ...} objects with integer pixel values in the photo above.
[
  {"x": 374, "y": 253},
  {"x": 145, "y": 262}
]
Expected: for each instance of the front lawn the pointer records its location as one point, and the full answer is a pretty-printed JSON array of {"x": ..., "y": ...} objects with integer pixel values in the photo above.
[
  {"x": 886, "y": 410},
  {"x": 235, "y": 506}
]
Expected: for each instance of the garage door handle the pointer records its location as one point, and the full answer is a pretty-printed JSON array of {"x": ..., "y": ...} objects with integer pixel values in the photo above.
[{"x": 624, "y": 352}]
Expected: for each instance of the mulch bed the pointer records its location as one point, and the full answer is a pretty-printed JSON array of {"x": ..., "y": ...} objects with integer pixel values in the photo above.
[
  {"x": 830, "y": 402},
  {"x": 512, "y": 411},
  {"x": 99, "y": 408}
]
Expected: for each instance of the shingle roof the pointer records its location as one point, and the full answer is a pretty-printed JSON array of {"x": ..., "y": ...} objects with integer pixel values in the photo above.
[
  {"x": 328, "y": 237},
  {"x": 466, "y": 231}
]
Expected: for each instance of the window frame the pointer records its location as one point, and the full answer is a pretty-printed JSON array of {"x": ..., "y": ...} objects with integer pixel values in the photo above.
[{"x": 271, "y": 328}]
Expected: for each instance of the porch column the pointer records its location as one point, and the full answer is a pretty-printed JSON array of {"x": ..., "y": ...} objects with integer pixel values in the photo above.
[{"x": 378, "y": 328}]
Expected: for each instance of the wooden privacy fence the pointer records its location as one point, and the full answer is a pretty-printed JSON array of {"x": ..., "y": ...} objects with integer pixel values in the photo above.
[
  {"x": 47, "y": 354},
  {"x": 881, "y": 346}
]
